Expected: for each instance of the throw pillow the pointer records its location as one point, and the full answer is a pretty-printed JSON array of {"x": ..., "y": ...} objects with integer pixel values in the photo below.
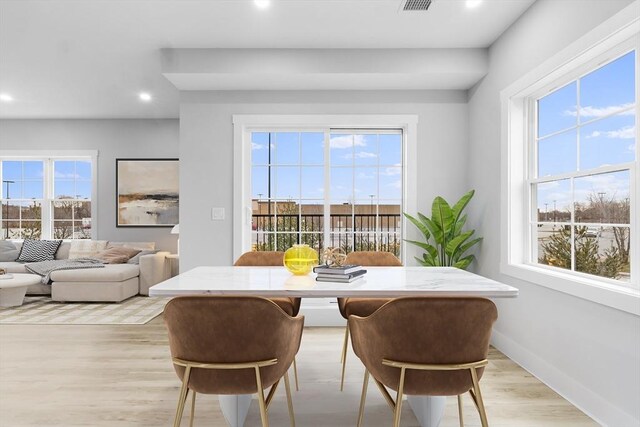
[
  {"x": 86, "y": 248},
  {"x": 8, "y": 251},
  {"x": 38, "y": 250},
  {"x": 117, "y": 255},
  {"x": 136, "y": 259}
]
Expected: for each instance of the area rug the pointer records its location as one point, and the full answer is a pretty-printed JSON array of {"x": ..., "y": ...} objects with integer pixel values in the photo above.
[{"x": 43, "y": 311}]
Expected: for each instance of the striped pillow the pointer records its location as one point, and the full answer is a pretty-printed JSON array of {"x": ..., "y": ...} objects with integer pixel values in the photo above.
[{"x": 38, "y": 250}]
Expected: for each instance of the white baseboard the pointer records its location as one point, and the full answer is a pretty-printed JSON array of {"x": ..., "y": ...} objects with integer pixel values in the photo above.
[{"x": 589, "y": 402}]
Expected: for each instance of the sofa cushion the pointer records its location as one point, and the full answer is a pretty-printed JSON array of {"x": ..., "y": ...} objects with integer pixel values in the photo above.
[
  {"x": 13, "y": 267},
  {"x": 110, "y": 273},
  {"x": 117, "y": 255},
  {"x": 63, "y": 250},
  {"x": 8, "y": 251},
  {"x": 86, "y": 248},
  {"x": 38, "y": 250},
  {"x": 143, "y": 246}
]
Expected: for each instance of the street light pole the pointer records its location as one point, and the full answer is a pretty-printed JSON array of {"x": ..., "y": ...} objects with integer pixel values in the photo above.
[{"x": 6, "y": 218}]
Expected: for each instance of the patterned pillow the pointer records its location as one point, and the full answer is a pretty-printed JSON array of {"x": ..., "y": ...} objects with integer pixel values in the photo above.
[{"x": 38, "y": 250}]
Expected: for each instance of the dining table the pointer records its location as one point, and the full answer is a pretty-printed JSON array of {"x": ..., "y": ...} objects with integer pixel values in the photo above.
[{"x": 378, "y": 282}]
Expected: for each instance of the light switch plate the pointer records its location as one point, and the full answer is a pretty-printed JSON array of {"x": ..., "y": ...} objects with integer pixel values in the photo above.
[{"x": 217, "y": 214}]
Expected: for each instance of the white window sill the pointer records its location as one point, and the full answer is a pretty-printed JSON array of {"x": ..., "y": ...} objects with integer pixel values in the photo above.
[{"x": 624, "y": 298}]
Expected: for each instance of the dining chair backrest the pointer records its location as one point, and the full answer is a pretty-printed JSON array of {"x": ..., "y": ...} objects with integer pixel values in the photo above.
[
  {"x": 426, "y": 331},
  {"x": 261, "y": 259},
  {"x": 228, "y": 330},
  {"x": 373, "y": 259}
]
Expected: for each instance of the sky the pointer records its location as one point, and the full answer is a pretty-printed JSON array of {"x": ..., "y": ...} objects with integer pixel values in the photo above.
[
  {"x": 71, "y": 178},
  {"x": 603, "y": 121}
]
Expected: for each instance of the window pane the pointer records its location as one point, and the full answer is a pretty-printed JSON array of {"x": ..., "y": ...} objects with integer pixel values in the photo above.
[
  {"x": 312, "y": 182},
  {"x": 11, "y": 210},
  {"x": 64, "y": 189},
  {"x": 342, "y": 146},
  {"x": 287, "y": 183},
  {"x": 557, "y": 111},
  {"x": 390, "y": 216},
  {"x": 288, "y": 216},
  {"x": 390, "y": 148},
  {"x": 312, "y": 148},
  {"x": 12, "y": 190},
  {"x": 82, "y": 230},
  {"x": 263, "y": 216},
  {"x": 390, "y": 242},
  {"x": 287, "y": 148},
  {"x": 286, "y": 240},
  {"x": 390, "y": 186},
  {"x": 11, "y": 170},
  {"x": 364, "y": 242},
  {"x": 33, "y": 170},
  {"x": 83, "y": 170},
  {"x": 62, "y": 229},
  {"x": 82, "y": 212},
  {"x": 64, "y": 169},
  {"x": 341, "y": 216},
  {"x": 342, "y": 183},
  {"x": 365, "y": 182},
  {"x": 554, "y": 201},
  {"x": 557, "y": 154},
  {"x": 31, "y": 210},
  {"x": 312, "y": 212},
  {"x": 260, "y": 182},
  {"x": 341, "y": 240},
  {"x": 32, "y": 190},
  {"x": 608, "y": 89},
  {"x": 63, "y": 210},
  {"x": 554, "y": 245},
  {"x": 315, "y": 240},
  {"x": 30, "y": 230},
  {"x": 83, "y": 190},
  {"x": 260, "y": 148},
  {"x": 263, "y": 242},
  {"x": 608, "y": 141},
  {"x": 366, "y": 151},
  {"x": 365, "y": 216},
  {"x": 603, "y": 198},
  {"x": 603, "y": 251}
]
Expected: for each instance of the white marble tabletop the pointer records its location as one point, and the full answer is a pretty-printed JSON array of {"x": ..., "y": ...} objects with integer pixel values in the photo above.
[{"x": 378, "y": 282}]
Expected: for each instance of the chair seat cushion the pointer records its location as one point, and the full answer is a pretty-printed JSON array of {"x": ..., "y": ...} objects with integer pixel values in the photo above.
[{"x": 363, "y": 307}]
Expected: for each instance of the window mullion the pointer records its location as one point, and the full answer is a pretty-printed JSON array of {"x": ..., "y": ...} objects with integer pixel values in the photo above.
[{"x": 327, "y": 187}]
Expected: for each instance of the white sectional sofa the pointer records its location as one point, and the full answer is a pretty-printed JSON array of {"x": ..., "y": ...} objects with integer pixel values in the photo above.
[{"x": 113, "y": 283}]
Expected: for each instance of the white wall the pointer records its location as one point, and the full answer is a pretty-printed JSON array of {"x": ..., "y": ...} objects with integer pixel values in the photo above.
[
  {"x": 113, "y": 139},
  {"x": 587, "y": 352},
  {"x": 206, "y": 146}
]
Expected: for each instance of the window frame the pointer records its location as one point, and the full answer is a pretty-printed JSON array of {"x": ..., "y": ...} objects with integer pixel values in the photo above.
[
  {"x": 244, "y": 125},
  {"x": 48, "y": 199},
  {"x": 607, "y": 42}
]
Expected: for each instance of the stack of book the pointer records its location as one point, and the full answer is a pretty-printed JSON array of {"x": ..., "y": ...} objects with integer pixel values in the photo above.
[{"x": 344, "y": 274}]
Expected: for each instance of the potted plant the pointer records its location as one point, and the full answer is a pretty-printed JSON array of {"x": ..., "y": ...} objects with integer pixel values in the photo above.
[{"x": 446, "y": 243}]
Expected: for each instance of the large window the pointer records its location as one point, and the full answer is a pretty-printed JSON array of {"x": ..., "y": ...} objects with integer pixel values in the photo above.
[
  {"x": 583, "y": 151},
  {"x": 338, "y": 188},
  {"x": 44, "y": 198}
]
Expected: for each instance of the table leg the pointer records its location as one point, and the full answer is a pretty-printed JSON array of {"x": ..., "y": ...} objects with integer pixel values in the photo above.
[
  {"x": 429, "y": 410},
  {"x": 235, "y": 408}
]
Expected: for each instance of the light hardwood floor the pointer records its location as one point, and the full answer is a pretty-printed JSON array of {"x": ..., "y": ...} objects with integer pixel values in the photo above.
[{"x": 122, "y": 376}]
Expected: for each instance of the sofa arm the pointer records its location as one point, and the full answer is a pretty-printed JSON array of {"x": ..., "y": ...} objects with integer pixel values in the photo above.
[{"x": 153, "y": 269}]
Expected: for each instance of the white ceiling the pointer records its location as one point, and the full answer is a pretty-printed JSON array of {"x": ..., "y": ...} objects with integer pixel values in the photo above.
[{"x": 90, "y": 58}]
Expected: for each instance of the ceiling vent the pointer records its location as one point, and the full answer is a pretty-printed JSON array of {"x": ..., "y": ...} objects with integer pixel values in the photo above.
[{"x": 415, "y": 5}]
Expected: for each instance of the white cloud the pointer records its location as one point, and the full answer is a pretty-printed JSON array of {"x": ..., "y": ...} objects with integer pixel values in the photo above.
[
  {"x": 593, "y": 112},
  {"x": 392, "y": 171},
  {"x": 361, "y": 155},
  {"x": 632, "y": 147},
  {"x": 61, "y": 175},
  {"x": 347, "y": 141},
  {"x": 628, "y": 132},
  {"x": 255, "y": 146}
]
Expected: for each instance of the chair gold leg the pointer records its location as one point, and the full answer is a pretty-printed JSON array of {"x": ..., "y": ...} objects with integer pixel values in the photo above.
[
  {"x": 478, "y": 394},
  {"x": 398, "y": 410},
  {"x": 193, "y": 408},
  {"x": 183, "y": 396},
  {"x": 287, "y": 387},
  {"x": 295, "y": 373},
  {"x": 365, "y": 385},
  {"x": 344, "y": 356},
  {"x": 460, "y": 410},
  {"x": 261, "y": 401}
]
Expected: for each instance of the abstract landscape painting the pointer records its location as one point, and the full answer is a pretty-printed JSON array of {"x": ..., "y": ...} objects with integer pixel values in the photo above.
[{"x": 147, "y": 192}]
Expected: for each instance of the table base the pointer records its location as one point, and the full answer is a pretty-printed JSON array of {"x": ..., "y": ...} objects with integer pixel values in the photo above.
[{"x": 12, "y": 297}]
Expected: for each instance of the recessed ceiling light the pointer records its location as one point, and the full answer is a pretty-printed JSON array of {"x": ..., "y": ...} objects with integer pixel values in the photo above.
[
  {"x": 262, "y": 4},
  {"x": 5, "y": 97},
  {"x": 473, "y": 3},
  {"x": 144, "y": 96}
]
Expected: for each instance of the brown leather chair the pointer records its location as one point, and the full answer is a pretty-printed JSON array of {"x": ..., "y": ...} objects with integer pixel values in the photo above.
[
  {"x": 213, "y": 353},
  {"x": 363, "y": 306},
  {"x": 291, "y": 306},
  {"x": 425, "y": 346}
]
